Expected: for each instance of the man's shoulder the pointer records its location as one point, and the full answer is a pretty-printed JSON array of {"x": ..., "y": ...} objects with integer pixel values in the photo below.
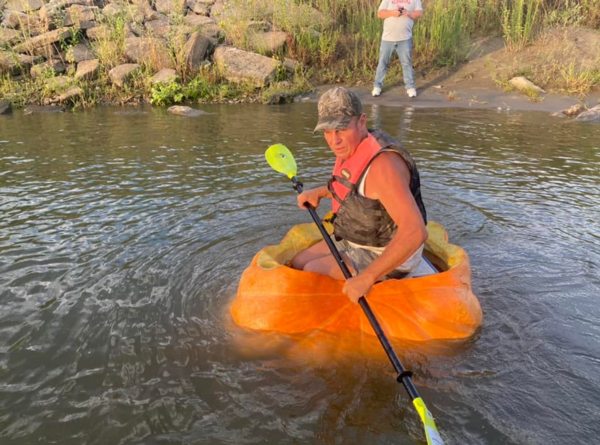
[{"x": 384, "y": 139}]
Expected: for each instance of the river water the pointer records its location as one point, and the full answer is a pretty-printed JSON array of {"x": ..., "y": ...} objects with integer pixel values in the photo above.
[{"x": 123, "y": 232}]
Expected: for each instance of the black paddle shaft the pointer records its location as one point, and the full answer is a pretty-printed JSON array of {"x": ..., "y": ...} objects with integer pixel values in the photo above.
[{"x": 403, "y": 374}]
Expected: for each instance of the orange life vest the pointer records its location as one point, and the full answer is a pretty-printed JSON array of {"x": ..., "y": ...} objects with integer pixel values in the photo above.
[{"x": 346, "y": 173}]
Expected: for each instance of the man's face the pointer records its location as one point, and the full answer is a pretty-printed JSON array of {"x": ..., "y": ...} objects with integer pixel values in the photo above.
[{"x": 344, "y": 142}]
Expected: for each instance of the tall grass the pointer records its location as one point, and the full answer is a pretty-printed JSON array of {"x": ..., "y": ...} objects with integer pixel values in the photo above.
[
  {"x": 442, "y": 36},
  {"x": 520, "y": 19}
]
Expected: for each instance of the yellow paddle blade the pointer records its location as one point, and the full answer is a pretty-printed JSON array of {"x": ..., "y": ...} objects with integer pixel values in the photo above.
[
  {"x": 281, "y": 160},
  {"x": 431, "y": 431}
]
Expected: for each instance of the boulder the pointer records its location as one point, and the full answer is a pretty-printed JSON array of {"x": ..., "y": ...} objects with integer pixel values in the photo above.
[
  {"x": 523, "y": 84},
  {"x": 159, "y": 28},
  {"x": 591, "y": 116},
  {"x": 88, "y": 69},
  {"x": 170, "y": 6},
  {"x": 9, "y": 37},
  {"x": 35, "y": 109},
  {"x": 259, "y": 26},
  {"x": 205, "y": 25},
  {"x": 23, "y": 5},
  {"x": 143, "y": 9},
  {"x": 148, "y": 50},
  {"x": 119, "y": 75},
  {"x": 268, "y": 43},
  {"x": 79, "y": 53},
  {"x": 185, "y": 111},
  {"x": 81, "y": 17},
  {"x": 195, "y": 50},
  {"x": 101, "y": 32},
  {"x": 61, "y": 4},
  {"x": 242, "y": 66},
  {"x": 14, "y": 64},
  {"x": 199, "y": 20},
  {"x": 290, "y": 65},
  {"x": 280, "y": 98},
  {"x": 48, "y": 52},
  {"x": 575, "y": 110},
  {"x": 50, "y": 67},
  {"x": 112, "y": 10},
  {"x": 198, "y": 7},
  {"x": 43, "y": 40},
  {"x": 166, "y": 75},
  {"x": 5, "y": 107},
  {"x": 31, "y": 23},
  {"x": 58, "y": 83},
  {"x": 68, "y": 95}
]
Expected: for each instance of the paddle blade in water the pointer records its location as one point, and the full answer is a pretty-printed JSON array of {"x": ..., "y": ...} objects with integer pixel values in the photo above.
[
  {"x": 431, "y": 432},
  {"x": 281, "y": 160}
]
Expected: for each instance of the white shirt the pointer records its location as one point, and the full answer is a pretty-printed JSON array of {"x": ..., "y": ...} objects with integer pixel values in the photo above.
[{"x": 396, "y": 29}]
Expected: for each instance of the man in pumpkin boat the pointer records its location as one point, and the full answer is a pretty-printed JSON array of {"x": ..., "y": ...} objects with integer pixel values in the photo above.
[{"x": 379, "y": 216}]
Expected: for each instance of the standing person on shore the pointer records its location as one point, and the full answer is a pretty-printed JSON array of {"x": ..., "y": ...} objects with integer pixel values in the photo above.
[
  {"x": 380, "y": 218},
  {"x": 398, "y": 20}
]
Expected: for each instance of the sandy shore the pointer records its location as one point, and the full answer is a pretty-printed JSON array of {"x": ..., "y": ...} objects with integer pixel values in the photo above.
[{"x": 464, "y": 96}]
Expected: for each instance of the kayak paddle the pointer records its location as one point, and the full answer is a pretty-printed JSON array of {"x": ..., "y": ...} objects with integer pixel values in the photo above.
[{"x": 281, "y": 160}]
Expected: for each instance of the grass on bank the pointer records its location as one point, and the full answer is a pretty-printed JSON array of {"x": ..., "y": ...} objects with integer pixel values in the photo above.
[{"x": 334, "y": 41}]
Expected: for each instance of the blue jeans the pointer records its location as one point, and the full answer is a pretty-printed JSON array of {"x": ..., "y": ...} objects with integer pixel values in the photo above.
[{"x": 404, "y": 50}]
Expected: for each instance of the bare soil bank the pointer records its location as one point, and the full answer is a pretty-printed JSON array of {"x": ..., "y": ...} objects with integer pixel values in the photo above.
[{"x": 481, "y": 82}]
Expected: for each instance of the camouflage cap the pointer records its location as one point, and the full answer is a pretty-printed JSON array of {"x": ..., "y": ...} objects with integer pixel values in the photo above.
[{"x": 337, "y": 107}]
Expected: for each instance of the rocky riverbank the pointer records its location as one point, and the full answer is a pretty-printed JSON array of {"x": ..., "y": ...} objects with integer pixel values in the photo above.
[
  {"x": 85, "y": 52},
  {"x": 82, "y": 51}
]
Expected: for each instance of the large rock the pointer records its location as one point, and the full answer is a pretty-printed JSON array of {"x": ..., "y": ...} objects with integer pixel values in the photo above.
[
  {"x": 205, "y": 25},
  {"x": 268, "y": 43},
  {"x": 523, "y": 84},
  {"x": 149, "y": 51},
  {"x": 199, "y": 20},
  {"x": 242, "y": 66},
  {"x": 592, "y": 115},
  {"x": 198, "y": 7},
  {"x": 51, "y": 67},
  {"x": 5, "y": 107},
  {"x": 79, "y": 53},
  {"x": 48, "y": 52},
  {"x": 159, "y": 28},
  {"x": 88, "y": 69},
  {"x": 195, "y": 50},
  {"x": 574, "y": 111},
  {"x": 31, "y": 23},
  {"x": 60, "y": 4},
  {"x": 14, "y": 64},
  {"x": 35, "y": 109},
  {"x": 166, "y": 75},
  {"x": 185, "y": 111},
  {"x": 23, "y": 5},
  {"x": 170, "y": 6},
  {"x": 113, "y": 10},
  {"x": 72, "y": 93},
  {"x": 43, "y": 40},
  {"x": 58, "y": 83},
  {"x": 9, "y": 37},
  {"x": 119, "y": 75},
  {"x": 143, "y": 9},
  {"x": 81, "y": 17},
  {"x": 101, "y": 32}
]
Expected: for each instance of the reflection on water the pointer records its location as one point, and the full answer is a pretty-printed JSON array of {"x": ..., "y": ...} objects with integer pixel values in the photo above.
[{"x": 123, "y": 233}]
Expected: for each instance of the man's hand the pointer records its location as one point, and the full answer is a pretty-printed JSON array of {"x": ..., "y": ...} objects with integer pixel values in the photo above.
[
  {"x": 357, "y": 286},
  {"x": 313, "y": 197}
]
